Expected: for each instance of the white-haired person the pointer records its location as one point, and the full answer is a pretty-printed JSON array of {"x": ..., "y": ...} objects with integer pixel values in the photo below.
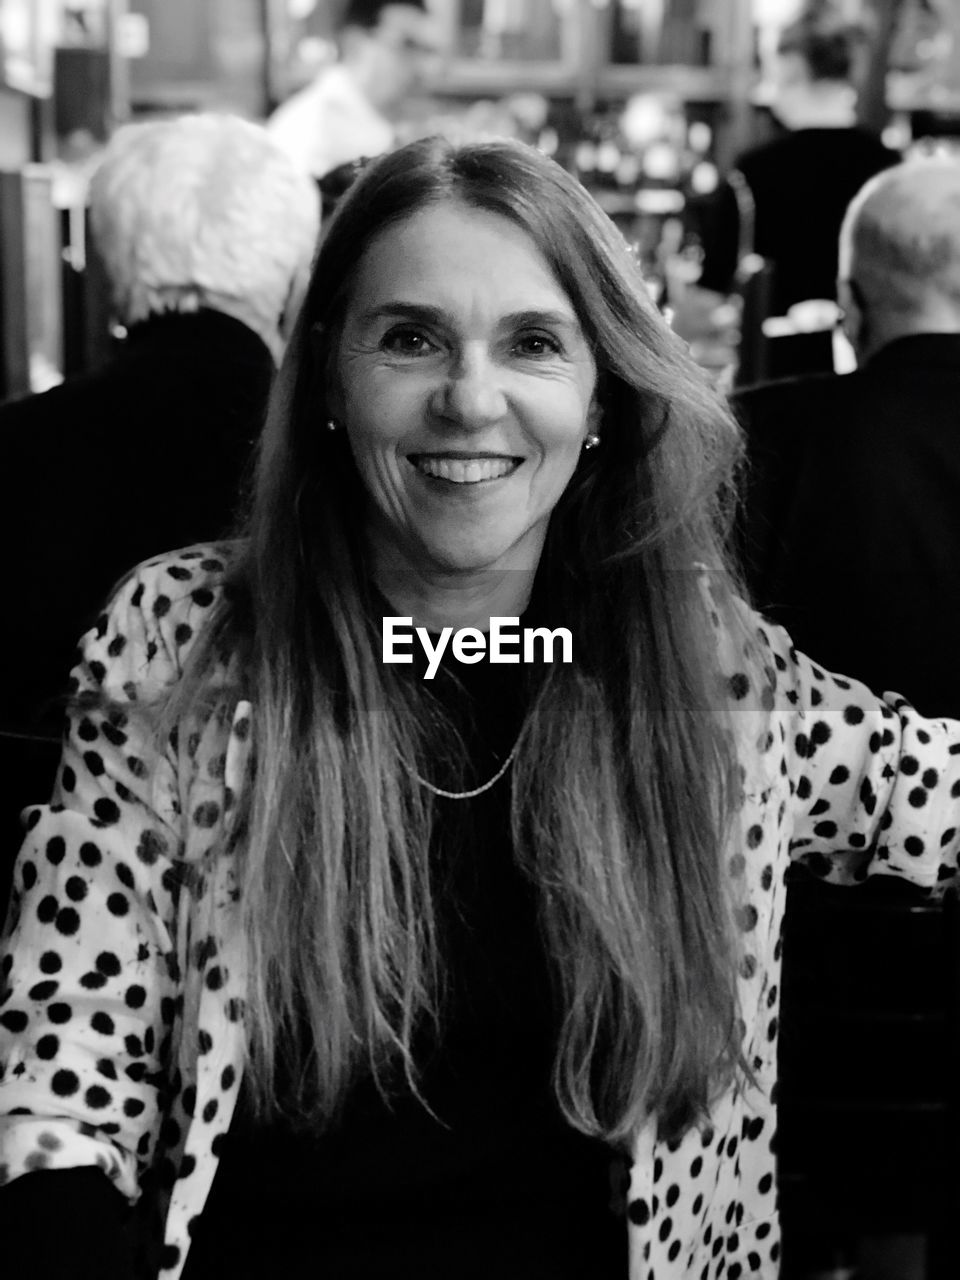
[
  {"x": 409, "y": 903},
  {"x": 207, "y": 232},
  {"x": 851, "y": 504}
]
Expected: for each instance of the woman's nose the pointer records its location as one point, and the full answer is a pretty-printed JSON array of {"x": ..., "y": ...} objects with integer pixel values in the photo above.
[{"x": 472, "y": 394}]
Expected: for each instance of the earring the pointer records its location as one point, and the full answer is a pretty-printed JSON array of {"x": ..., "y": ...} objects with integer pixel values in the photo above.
[
  {"x": 591, "y": 441},
  {"x": 332, "y": 424}
]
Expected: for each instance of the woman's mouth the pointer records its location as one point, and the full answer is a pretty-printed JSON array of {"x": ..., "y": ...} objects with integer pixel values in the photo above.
[{"x": 463, "y": 470}]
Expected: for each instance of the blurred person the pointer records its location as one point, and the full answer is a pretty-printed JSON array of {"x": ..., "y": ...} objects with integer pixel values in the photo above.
[
  {"x": 347, "y": 113},
  {"x": 852, "y": 506},
  {"x": 324, "y": 964},
  {"x": 206, "y": 232},
  {"x": 786, "y": 198}
]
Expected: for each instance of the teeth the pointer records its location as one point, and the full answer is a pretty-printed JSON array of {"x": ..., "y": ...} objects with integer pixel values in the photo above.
[{"x": 465, "y": 471}]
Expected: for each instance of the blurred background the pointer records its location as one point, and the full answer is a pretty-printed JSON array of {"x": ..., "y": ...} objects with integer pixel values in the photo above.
[{"x": 649, "y": 102}]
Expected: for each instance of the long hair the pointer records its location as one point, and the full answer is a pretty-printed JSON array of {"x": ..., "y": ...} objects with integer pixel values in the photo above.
[{"x": 625, "y": 776}]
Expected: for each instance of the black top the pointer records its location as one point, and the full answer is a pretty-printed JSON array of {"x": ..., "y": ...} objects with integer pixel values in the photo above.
[
  {"x": 801, "y": 183},
  {"x": 495, "y": 1183},
  {"x": 850, "y": 521},
  {"x": 140, "y": 457}
]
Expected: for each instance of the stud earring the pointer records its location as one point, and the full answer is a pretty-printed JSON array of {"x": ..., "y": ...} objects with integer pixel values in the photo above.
[
  {"x": 591, "y": 441},
  {"x": 333, "y": 424}
]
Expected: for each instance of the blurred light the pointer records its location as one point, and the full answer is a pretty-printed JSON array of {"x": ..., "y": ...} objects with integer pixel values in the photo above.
[
  {"x": 704, "y": 178},
  {"x": 700, "y": 136},
  {"x": 897, "y": 134},
  {"x": 645, "y": 119},
  {"x": 628, "y": 170},
  {"x": 661, "y": 162},
  {"x": 659, "y": 200},
  {"x": 548, "y": 142},
  {"x": 608, "y": 156},
  {"x": 585, "y": 157}
]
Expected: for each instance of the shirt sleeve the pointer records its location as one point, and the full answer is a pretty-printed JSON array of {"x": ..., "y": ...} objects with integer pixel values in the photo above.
[
  {"x": 874, "y": 786},
  {"x": 90, "y": 970}
]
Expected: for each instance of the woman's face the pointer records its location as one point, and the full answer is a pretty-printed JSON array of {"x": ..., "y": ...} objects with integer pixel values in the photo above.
[{"x": 466, "y": 387}]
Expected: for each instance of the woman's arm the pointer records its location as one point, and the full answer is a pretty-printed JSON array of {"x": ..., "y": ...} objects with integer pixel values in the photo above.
[
  {"x": 875, "y": 786},
  {"x": 91, "y": 972}
]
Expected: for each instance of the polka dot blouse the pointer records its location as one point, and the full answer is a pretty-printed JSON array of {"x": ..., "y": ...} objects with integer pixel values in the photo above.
[{"x": 121, "y": 1017}]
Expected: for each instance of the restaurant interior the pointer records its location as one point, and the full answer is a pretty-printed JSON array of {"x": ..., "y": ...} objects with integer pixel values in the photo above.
[{"x": 648, "y": 102}]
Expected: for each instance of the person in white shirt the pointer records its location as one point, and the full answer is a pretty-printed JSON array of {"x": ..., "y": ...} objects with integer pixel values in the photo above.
[{"x": 386, "y": 51}]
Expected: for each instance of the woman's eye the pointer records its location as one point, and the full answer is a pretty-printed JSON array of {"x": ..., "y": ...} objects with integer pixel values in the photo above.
[
  {"x": 537, "y": 344},
  {"x": 407, "y": 342}
]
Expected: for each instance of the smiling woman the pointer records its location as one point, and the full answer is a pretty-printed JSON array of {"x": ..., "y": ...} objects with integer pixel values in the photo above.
[
  {"x": 336, "y": 969},
  {"x": 466, "y": 388}
]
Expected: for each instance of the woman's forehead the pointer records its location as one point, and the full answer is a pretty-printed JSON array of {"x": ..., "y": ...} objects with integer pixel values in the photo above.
[{"x": 450, "y": 244}]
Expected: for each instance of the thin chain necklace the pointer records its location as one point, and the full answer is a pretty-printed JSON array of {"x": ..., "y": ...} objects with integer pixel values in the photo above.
[{"x": 477, "y": 791}]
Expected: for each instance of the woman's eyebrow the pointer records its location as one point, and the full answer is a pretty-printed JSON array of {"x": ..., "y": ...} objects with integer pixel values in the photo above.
[
  {"x": 423, "y": 313},
  {"x": 548, "y": 319},
  {"x": 397, "y": 310}
]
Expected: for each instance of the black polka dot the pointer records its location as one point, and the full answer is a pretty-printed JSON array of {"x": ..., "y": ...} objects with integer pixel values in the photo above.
[
  {"x": 50, "y": 962},
  {"x": 118, "y": 904},
  {"x": 76, "y": 888},
  {"x": 67, "y": 922},
  {"x": 44, "y": 990},
  {"x": 87, "y": 731},
  {"x": 206, "y": 814},
  {"x": 107, "y": 811},
  {"x": 114, "y": 735},
  {"x": 639, "y": 1213},
  {"x": 56, "y": 848},
  {"x": 150, "y": 847},
  {"x": 65, "y": 1083},
  {"x": 94, "y": 763},
  {"x": 90, "y": 854},
  {"x": 746, "y": 917},
  {"x": 108, "y": 964},
  {"x": 48, "y": 1047}
]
